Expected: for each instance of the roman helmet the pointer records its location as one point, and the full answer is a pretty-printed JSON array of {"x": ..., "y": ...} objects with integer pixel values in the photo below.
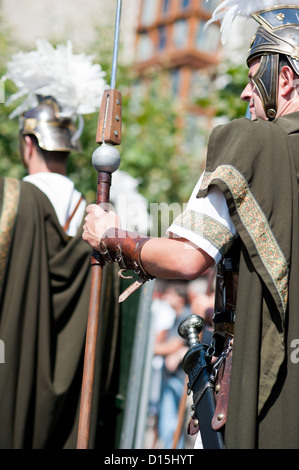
[
  {"x": 278, "y": 34},
  {"x": 53, "y": 133},
  {"x": 57, "y": 87}
]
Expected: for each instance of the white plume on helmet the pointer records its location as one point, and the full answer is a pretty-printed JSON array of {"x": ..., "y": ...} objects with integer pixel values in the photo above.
[
  {"x": 228, "y": 10},
  {"x": 71, "y": 79}
]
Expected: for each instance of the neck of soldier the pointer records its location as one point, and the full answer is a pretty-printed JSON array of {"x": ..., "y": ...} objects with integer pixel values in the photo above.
[
  {"x": 37, "y": 164},
  {"x": 288, "y": 98},
  {"x": 288, "y": 107}
]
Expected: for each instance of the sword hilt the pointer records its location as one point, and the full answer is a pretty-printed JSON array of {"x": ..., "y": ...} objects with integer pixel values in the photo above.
[{"x": 190, "y": 328}]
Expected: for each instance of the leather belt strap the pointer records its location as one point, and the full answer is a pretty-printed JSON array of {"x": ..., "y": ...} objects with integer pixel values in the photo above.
[
  {"x": 222, "y": 387},
  {"x": 225, "y": 328}
]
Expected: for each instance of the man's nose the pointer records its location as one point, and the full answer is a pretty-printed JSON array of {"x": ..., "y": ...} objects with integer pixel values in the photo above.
[{"x": 246, "y": 93}]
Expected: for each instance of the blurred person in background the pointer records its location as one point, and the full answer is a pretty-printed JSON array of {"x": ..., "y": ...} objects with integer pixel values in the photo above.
[{"x": 172, "y": 348}]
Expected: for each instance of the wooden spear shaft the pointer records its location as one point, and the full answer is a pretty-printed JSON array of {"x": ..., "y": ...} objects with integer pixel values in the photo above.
[
  {"x": 104, "y": 180},
  {"x": 106, "y": 160}
]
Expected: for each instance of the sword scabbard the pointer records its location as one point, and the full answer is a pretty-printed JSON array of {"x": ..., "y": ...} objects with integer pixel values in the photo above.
[{"x": 199, "y": 371}]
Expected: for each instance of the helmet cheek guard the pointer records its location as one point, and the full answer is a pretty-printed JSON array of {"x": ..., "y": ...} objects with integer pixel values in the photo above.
[
  {"x": 277, "y": 34},
  {"x": 266, "y": 82}
]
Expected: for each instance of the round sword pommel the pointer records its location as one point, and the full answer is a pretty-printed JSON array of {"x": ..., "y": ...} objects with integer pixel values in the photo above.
[
  {"x": 190, "y": 328},
  {"x": 106, "y": 158}
]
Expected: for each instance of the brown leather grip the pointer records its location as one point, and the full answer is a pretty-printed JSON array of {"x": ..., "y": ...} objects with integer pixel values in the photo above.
[{"x": 124, "y": 248}]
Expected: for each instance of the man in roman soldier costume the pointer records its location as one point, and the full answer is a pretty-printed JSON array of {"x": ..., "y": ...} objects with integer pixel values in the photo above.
[
  {"x": 45, "y": 265},
  {"x": 246, "y": 196}
]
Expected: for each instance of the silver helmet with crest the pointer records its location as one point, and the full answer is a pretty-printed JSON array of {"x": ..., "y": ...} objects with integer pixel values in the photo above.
[
  {"x": 53, "y": 132},
  {"x": 276, "y": 36},
  {"x": 56, "y": 88}
]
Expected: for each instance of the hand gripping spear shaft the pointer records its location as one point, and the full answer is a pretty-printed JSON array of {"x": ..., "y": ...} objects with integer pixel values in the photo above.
[{"x": 106, "y": 160}]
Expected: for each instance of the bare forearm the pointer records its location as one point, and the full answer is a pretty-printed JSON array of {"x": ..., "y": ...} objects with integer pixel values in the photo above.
[
  {"x": 170, "y": 258},
  {"x": 169, "y": 346}
]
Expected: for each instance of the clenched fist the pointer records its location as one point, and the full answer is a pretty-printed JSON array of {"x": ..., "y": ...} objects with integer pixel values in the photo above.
[{"x": 97, "y": 222}]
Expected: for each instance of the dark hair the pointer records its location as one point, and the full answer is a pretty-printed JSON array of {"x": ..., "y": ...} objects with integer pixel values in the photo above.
[
  {"x": 284, "y": 62},
  {"x": 48, "y": 155},
  {"x": 180, "y": 286}
]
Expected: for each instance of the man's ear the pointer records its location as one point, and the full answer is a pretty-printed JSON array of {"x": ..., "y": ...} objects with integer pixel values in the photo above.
[
  {"x": 286, "y": 81},
  {"x": 28, "y": 141},
  {"x": 26, "y": 149}
]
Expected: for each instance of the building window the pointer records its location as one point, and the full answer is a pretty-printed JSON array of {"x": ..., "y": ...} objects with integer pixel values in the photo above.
[
  {"x": 185, "y": 4},
  {"x": 162, "y": 32},
  {"x": 200, "y": 86},
  {"x": 210, "y": 6},
  {"x": 207, "y": 40},
  {"x": 149, "y": 12},
  {"x": 175, "y": 81},
  {"x": 165, "y": 7},
  {"x": 180, "y": 33},
  {"x": 145, "y": 47}
]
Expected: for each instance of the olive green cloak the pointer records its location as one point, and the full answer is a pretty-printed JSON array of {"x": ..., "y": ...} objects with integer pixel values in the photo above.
[
  {"x": 44, "y": 301},
  {"x": 255, "y": 164}
]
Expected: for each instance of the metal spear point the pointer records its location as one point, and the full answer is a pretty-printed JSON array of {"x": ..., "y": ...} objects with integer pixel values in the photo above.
[{"x": 106, "y": 160}]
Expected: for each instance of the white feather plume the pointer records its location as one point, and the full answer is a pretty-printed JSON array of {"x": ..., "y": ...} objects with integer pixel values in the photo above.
[
  {"x": 228, "y": 10},
  {"x": 72, "y": 79}
]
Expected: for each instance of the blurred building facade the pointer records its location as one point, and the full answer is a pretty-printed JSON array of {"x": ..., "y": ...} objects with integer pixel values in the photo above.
[
  {"x": 153, "y": 32},
  {"x": 170, "y": 34},
  {"x": 76, "y": 20}
]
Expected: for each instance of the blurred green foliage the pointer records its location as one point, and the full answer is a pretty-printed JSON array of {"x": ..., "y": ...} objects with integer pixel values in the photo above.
[
  {"x": 225, "y": 99},
  {"x": 149, "y": 136},
  {"x": 10, "y": 160}
]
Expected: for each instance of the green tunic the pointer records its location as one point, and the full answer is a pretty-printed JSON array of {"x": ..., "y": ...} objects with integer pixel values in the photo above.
[
  {"x": 44, "y": 299},
  {"x": 256, "y": 165}
]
